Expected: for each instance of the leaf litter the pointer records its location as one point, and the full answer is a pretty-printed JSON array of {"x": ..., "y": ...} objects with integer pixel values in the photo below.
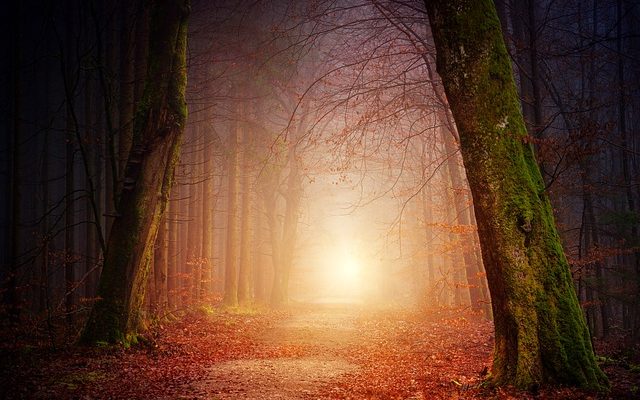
[{"x": 306, "y": 352}]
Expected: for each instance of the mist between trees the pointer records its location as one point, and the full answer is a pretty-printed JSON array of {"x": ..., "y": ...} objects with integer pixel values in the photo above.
[{"x": 320, "y": 158}]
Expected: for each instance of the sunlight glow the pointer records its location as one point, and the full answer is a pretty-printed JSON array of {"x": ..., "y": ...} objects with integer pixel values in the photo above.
[
  {"x": 344, "y": 271},
  {"x": 350, "y": 269}
]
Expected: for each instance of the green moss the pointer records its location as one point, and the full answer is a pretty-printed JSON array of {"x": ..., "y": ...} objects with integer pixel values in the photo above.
[
  {"x": 178, "y": 83},
  {"x": 130, "y": 340},
  {"x": 541, "y": 335}
]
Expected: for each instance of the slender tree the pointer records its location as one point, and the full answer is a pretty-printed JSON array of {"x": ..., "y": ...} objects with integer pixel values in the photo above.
[
  {"x": 540, "y": 332},
  {"x": 172, "y": 256},
  {"x": 13, "y": 202},
  {"x": 207, "y": 216},
  {"x": 231, "y": 255},
  {"x": 244, "y": 267}
]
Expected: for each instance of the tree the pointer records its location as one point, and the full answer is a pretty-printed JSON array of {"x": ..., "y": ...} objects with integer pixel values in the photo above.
[
  {"x": 244, "y": 264},
  {"x": 540, "y": 332},
  {"x": 231, "y": 265},
  {"x": 148, "y": 177}
]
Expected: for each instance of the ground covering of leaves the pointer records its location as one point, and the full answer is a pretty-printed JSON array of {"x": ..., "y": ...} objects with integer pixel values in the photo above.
[{"x": 307, "y": 352}]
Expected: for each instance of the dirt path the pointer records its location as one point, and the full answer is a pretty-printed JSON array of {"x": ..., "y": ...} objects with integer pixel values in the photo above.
[
  {"x": 324, "y": 332},
  {"x": 347, "y": 351}
]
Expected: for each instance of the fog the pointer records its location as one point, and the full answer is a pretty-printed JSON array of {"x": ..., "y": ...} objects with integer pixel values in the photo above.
[{"x": 320, "y": 160}]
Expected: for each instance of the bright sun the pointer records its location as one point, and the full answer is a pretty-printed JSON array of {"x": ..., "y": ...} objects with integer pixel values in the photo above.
[
  {"x": 343, "y": 271},
  {"x": 350, "y": 270}
]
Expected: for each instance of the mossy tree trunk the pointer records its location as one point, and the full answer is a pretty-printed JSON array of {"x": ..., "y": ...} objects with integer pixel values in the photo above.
[
  {"x": 159, "y": 125},
  {"x": 540, "y": 332}
]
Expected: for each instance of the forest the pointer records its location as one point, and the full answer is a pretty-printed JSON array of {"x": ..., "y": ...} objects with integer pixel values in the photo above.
[{"x": 322, "y": 199}]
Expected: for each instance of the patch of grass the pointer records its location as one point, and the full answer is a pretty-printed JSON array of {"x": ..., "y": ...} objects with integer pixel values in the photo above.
[
  {"x": 602, "y": 360},
  {"x": 239, "y": 310},
  {"x": 74, "y": 380},
  {"x": 207, "y": 310},
  {"x": 247, "y": 310}
]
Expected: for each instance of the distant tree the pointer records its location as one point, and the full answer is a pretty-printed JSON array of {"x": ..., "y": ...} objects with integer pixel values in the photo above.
[
  {"x": 244, "y": 263},
  {"x": 231, "y": 265},
  {"x": 540, "y": 332},
  {"x": 147, "y": 180},
  {"x": 208, "y": 217}
]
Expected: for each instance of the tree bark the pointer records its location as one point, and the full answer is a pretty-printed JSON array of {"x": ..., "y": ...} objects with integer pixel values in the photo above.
[
  {"x": 12, "y": 295},
  {"x": 540, "y": 332},
  {"x": 259, "y": 261},
  {"x": 244, "y": 287},
  {"x": 463, "y": 218},
  {"x": 290, "y": 223},
  {"x": 208, "y": 202},
  {"x": 231, "y": 271},
  {"x": 158, "y": 130},
  {"x": 126, "y": 99},
  {"x": 625, "y": 159},
  {"x": 271, "y": 182},
  {"x": 193, "y": 225},
  {"x": 172, "y": 257},
  {"x": 160, "y": 263},
  {"x": 69, "y": 199}
]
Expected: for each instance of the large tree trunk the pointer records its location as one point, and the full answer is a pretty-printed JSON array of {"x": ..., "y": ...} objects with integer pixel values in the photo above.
[
  {"x": 540, "y": 332},
  {"x": 159, "y": 126}
]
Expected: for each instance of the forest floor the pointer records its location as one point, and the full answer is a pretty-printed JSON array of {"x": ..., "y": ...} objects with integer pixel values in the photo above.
[{"x": 319, "y": 351}]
